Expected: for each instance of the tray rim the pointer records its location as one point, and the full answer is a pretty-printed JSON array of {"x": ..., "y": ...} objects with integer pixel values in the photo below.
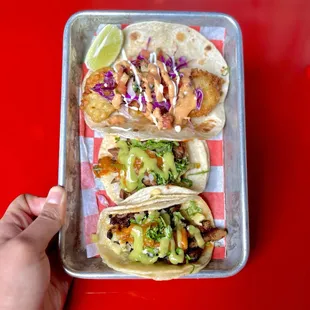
[{"x": 244, "y": 223}]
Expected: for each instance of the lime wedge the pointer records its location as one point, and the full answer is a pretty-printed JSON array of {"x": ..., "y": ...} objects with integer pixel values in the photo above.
[{"x": 105, "y": 48}]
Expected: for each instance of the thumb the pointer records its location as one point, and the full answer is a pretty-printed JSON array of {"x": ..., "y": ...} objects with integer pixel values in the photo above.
[{"x": 49, "y": 221}]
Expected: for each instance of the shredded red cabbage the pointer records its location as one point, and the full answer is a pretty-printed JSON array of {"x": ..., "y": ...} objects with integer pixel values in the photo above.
[
  {"x": 140, "y": 99},
  {"x": 172, "y": 74},
  {"x": 105, "y": 89},
  {"x": 199, "y": 96},
  {"x": 98, "y": 87},
  {"x": 143, "y": 101},
  {"x": 109, "y": 80},
  {"x": 104, "y": 92},
  {"x": 130, "y": 99},
  {"x": 182, "y": 59},
  {"x": 153, "y": 96},
  {"x": 109, "y": 74},
  {"x": 162, "y": 59},
  {"x": 140, "y": 57},
  {"x": 181, "y": 63},
  {"x": 164, "y": 106},
  {"x": 127, "y": 96},
  {"x": 135, "y": 62},
  {"x": 169, "y": 62},
  {"x": 148, "y": 43},
  {"x": 109, "y": 94}
]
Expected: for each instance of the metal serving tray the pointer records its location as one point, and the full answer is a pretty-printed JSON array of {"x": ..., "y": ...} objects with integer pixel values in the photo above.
[{"x": 77, "y": 37}]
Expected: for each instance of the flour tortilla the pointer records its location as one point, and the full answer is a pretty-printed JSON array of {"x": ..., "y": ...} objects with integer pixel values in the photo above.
[
  {"x": 118, "y": 260},
  {"x": 198, "y": 153},
  {"x": 178, "y": 40}
]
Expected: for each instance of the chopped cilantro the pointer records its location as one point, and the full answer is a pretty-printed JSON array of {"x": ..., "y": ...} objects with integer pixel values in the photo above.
[
  {"x": 159, "y": 147},
  {"x": 177, "y": 218},
  {"x": 160, "y": 230},
  {"x": 133, "y": 221},
  {"x": 160, "y": 180},
  {"x": 177, "y": 215},
  {"x": 163, "y": 221},
  {"x": 117, "y": 139},
  {"x": 186, "y": 182},
  {"x": 135, "y": 87},
  {"x": 193, "y": 208},
  {"x": 181, "y": 165},
  {"x": 155, "y": 233},
  {"x": 178, "y": 251}
]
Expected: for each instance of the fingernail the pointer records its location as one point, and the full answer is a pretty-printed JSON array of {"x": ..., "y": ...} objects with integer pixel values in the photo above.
[{"x": 55, "y": 195}]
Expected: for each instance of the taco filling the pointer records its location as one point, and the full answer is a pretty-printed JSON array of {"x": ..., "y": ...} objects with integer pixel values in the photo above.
[
  {"x": 139, "y": 164},
  {"x": 175, "y": 235},
  {"x": 154, "y": 87}
]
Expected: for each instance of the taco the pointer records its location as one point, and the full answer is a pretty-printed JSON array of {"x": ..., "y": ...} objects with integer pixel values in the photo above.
[
  {"x": 132, "y": 170},
  {"x": 171, "y": 86},
  {"x": 162, "y": 241}
]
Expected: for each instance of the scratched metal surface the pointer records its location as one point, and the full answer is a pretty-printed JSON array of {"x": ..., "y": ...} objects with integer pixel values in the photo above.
[{"x": 77, "y": 36}]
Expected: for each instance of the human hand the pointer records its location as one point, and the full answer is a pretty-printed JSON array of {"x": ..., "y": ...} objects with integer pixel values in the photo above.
[{"x": 29, "y": 278}]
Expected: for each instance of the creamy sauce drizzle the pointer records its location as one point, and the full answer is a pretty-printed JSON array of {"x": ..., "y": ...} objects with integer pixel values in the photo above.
[{"x": 186, "y": 100}]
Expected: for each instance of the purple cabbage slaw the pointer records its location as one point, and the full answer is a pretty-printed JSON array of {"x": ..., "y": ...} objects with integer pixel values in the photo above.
[
  {"x": 164, "y": 106},
  {"x": 178, "y": 64},
  {"x": 106, "y": 88},
  {"x": 199, "y": 96}
]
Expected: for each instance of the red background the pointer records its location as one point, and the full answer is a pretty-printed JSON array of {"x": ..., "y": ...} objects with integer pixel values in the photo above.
[{"x": 277, "y": 79}]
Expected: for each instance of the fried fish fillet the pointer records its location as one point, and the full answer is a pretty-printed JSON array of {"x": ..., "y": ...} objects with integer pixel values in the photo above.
[
  {"x": 211, "y": 86},
  {"x": 97, "y": 107}
]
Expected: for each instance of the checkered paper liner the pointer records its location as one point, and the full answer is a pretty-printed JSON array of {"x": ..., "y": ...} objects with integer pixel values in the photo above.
[{"x": 94, "y": 197}]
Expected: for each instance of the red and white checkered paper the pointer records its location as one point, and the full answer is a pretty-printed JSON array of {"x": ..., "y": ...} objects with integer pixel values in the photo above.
[{"x": 94, "y": 197}]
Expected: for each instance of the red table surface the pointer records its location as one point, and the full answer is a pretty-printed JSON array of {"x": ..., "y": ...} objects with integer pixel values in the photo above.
[{"x": 277, "y": 82}]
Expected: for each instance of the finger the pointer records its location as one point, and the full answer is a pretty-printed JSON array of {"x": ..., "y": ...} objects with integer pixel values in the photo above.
[
  {"x": 23, "y": 208},
  {"x": 35, "y": 204},
  {"x": 49, "y": 221},
  {"x": 19, "y": 215}
]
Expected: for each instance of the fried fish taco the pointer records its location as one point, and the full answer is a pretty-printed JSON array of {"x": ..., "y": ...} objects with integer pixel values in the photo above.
[
  {"x": 171, "y": 86},
  {"x": 132, "y": 170},
  {"x": 162, "y": 241}
]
